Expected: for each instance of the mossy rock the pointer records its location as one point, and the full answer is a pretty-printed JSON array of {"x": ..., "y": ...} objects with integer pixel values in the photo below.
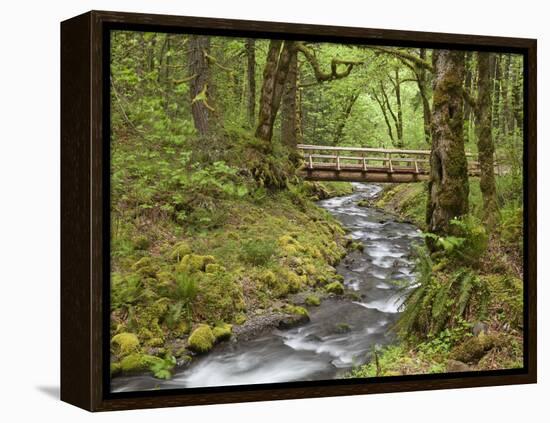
[
  {"x": 296, "y": 316},
  {"x": 192, "y": 263},
  {"x": 138, "y": 362},
  {"x": 474, "y": 348},
  {"x": 214, "y": 268},
  {"x": 355, "y": 245},
  {"x": 222, "y": 332},
  {"x": 155, "y": 342},
  {"x": 335, "y": 288},
  {"x": 313, "y": 300},
  {"x": 180, "y": 250},
  {"x": 125, "y": 343},
  {"x": 202, "y": 339}
]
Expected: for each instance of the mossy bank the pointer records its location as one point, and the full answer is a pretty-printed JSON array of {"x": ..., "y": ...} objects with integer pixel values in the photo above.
[
  {"x": 178, "y": 292},
  {"x": 467, "y": 311}
]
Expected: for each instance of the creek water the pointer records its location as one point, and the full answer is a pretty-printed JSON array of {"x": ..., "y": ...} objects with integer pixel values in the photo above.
[{"x": 341, "y": 333}]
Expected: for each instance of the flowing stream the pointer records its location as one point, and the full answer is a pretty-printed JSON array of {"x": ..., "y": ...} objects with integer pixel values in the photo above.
[{"x": 342, "y": 332}]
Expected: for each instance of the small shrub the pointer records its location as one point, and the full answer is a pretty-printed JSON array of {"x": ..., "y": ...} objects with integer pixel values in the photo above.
[{"x": 258, "y": 252}]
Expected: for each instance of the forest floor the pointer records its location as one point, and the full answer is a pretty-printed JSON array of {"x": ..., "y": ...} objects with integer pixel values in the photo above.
[{"x": 488, "y": 334}]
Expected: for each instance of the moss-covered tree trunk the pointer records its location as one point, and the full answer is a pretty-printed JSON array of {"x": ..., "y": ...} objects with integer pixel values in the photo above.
[
  {"x": 251, "y": 74},
  {"x": 448, "y": 186},
  {"x": 422, "y": 79},
  {"x": 199, "y": 86},
  {"x": 275, "y": 73},
  {"x": 485, "y": 143},
  {"x": 289, "y": 111}
]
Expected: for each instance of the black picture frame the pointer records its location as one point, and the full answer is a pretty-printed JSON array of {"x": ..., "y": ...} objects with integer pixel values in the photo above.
[{"x": 85, "y": 213}]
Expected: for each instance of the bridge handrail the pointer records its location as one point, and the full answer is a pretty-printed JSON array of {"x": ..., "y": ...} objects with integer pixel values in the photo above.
[{"x": 367, "y": 149}]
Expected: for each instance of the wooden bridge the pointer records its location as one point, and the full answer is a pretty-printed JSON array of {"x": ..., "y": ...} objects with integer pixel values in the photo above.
[{"x": 359, "y": 164}]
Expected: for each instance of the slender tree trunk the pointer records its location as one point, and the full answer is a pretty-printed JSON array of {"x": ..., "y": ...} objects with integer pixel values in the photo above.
[
  {"x": 275, "y": 73},
  {"x": 422, "y": 81},
  {"x": 345, "y": 115},
  {"x": 381, "y": 102},
  {"x": 485, "y": 144},
  {"x": 448, "y": 186},
  {"x": 289, "y": 121},
  {"x": 251, "y": 71},
  {"x": 201, "y": 103},
  {"x": 399, "y": 120}
]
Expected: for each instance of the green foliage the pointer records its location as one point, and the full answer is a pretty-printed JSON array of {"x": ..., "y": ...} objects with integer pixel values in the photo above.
[
  {"x": 467, "y": 245},
  {"x": 162, "y": 369},
  {"x": 441, "y": 301},
  {"x": 258, "y": 252}
]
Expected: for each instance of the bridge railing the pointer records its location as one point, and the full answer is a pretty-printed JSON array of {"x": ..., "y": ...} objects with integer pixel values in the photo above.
[{"x": 372, "y": 159}]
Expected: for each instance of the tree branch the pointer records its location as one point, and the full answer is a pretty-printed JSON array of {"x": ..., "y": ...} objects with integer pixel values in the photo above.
[
  {"x": 406, "y": 56},
  {"x": 322, "y": 76}
]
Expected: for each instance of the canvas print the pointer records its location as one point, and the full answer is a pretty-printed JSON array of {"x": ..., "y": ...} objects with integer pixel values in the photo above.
[{"x": 289, "y": 211}]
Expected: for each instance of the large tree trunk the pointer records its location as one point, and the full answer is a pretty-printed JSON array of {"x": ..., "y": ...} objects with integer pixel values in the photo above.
[
  {"x": 448, "y": 186},
  {"x": 251, "y": 71},
  {"x": 289, "y": 111},
  {"x": 201, "y": 102},
  {"x": 275, "y": 73},
  {"x": 485, "y": 139}
]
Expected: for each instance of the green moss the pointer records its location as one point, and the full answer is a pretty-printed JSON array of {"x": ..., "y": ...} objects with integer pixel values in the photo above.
[
  {"x": 191, "y": 263},
  {"x": 180, "y": 250},
  {"x": 240, "y": 319},
  {"x": 214, "y": 268},
  {"x": 474, "y": 348},
  {"x": 202, "y": 339},
  {"x": 335, "y": 288},
  {"x": 313, "y": 300},
  {"x": 222, "y": 331},
  {"x": 142, "y": 263},
  {"x": 297, "y": 310},
  {"x": 138, "y": 362},
  {"x": 125, "y": 343}
]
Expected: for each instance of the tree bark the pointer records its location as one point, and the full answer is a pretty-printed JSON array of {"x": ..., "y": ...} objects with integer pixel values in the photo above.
[
  {"x": 251, "y": 71},
  {"x": 448, "y": 187},
  {"x": 289, "y": 111},
  {"x": 485, "y": 143},
  {"x": 275, "y": 73},
  {"x": 201, "y": 103}
]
